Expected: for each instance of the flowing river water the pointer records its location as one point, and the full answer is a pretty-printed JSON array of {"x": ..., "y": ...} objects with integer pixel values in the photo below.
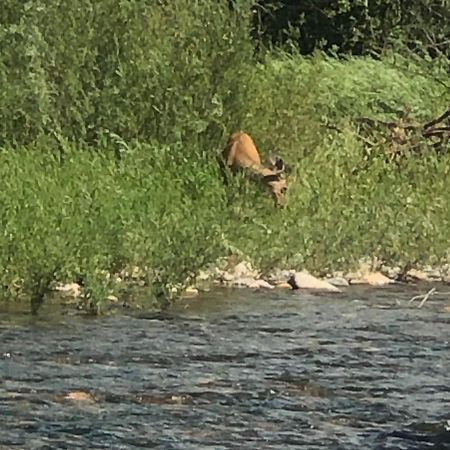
[{"x": 364, "y": 369}]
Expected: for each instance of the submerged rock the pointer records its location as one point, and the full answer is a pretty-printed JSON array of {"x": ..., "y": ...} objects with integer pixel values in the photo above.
[
  {"x": 189, "y": 292},
  {"x": 80, "y": 396},
  {"x": 165, "y": 399},
  {"x": 304, "y": 280}
]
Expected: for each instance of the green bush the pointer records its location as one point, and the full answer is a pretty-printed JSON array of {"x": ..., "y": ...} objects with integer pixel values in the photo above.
[
  {"x": 83, "y": 69},
  {"x": 88, "y": 217},
  {"x": 359, "y": 27}
]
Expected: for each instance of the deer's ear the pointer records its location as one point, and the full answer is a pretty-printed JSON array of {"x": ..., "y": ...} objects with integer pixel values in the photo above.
[
  {"x": 276, "y": 163},
  {"x": 279, "y": 165}
]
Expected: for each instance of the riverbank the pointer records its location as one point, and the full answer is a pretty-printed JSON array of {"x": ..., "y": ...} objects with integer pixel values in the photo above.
[
  {"x": 228, "y": 274},
  {"x": 82, "y": 212}
]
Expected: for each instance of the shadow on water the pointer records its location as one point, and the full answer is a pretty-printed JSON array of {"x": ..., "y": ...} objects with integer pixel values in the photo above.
[{"x": 254, "y": 370}]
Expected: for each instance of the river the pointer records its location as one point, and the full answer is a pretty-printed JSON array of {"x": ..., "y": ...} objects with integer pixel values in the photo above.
[{"x": 232, "y": 369}]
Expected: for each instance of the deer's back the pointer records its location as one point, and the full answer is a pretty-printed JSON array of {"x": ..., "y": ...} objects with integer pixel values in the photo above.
[{"x": 241, "y": 152}]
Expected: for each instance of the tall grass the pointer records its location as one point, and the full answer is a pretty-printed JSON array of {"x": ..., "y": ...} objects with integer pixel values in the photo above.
[
  {"x": 112, "y": 114},
  {"x": 138, "y": 69}
]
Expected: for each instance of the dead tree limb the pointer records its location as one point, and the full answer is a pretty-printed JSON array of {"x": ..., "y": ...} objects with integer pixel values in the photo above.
[
  {"x": 439, "y": 119},
  {"x": 423, "y": 298},
  {"x": 406, "y": 134}
]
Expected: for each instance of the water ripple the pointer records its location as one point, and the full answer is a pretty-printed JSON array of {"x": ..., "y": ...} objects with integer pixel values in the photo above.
[{"x": 238, "y": 370}]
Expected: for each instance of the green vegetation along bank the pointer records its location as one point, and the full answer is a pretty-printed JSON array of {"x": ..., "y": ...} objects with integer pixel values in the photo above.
[{"x": 109, "y": 142}]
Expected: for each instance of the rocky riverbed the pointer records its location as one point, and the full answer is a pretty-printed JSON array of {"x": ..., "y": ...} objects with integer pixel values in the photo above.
[{"x": 229, "y": 273}]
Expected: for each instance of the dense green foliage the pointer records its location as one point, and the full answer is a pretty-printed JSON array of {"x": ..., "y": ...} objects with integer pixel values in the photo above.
[
  {"x": 112, "y": 114},
  {"x": 80, "y": 70},
  {"x": 357, "y": 26}
]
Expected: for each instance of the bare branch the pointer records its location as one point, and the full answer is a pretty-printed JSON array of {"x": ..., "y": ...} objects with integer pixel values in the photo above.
[
  {"x": 441, "y": 118},
  {"x": 436, "y": 131},
  {"x": 424, "y": 298}
]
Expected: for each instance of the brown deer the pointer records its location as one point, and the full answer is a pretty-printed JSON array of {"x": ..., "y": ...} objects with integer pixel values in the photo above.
[{"x": 241, "y": 153}]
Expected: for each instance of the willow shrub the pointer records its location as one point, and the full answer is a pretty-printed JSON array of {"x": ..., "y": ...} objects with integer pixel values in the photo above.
[
  {"x": 86, "y": 69},
  {"x": 88, "y": 217}
]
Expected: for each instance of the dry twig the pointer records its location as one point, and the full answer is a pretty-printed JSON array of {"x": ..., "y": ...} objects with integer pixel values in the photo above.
[
  {"x": 423, "y": 297},
  {"x": 439, "y": 119},
  {"x": 406, "y": 134}
]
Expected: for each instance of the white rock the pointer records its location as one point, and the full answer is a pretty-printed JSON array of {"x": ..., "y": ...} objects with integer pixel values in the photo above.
[
  {"x": 251, "y": 283},
  {"x": 377, "y": 279},
  {"x": 79, "y": 396},
  {"x": 279, "y": 276},
  {"x": 243, "y": 283},
  {"x": 433, "y": 274},
  {"x": 136, "y": 272},
  {"x": 391, "y": 272},
  {"x": 338, "y": 281},
  {"x": 356, "y": 280},
  {"x": 304, "y": 280},
  {"x": 417, "y": 275},
  {"x": 69, "y": 290},
  {"x": 204, "y": 275},
  {"x": 371, "y": 278},
  {"x": 226, "y": 276},
  {"x": 283, "y": 285},
  {"x": 264, "y": 284},
  {"x": 244, "y": 270}
]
